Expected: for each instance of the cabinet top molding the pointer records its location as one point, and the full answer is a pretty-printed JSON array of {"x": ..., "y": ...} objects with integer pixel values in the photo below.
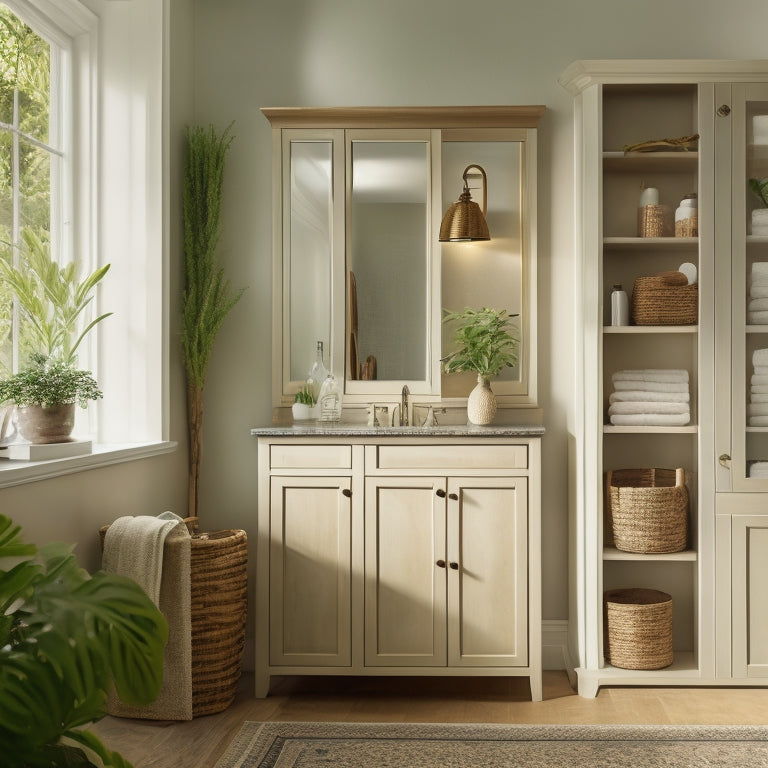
[
  {"x": 405, "y": 117},
  {"x": 581, "y": 74}
]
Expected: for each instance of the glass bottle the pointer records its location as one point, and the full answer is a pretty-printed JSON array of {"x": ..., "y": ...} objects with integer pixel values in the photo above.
[
  {"x": 329, "y": 399},
  {"x": 318, "y": 372}
]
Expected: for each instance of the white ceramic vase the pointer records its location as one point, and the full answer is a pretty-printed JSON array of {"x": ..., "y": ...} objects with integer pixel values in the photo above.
[{"x": 481, "y": 404}]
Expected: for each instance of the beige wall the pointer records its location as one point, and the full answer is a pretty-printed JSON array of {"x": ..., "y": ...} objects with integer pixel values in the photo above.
[{"x": 231, "y": 57}]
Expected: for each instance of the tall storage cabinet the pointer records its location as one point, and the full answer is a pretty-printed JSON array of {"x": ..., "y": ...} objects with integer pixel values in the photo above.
[{"x": 620, "y": 103}]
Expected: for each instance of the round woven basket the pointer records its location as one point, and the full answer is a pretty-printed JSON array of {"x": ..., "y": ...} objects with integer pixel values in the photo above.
[
  {"x": 638, "y": 628},
  {"x": 648, "y": 509},
  {"x": 218, "y": 606},
  {"x": 656, "y": 302}
]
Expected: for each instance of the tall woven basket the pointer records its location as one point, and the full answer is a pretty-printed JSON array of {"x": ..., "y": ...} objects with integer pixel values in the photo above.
[
  {"x": 638, "y": 628},
  {"x": 219, "y": 596},
  {"x": 647, "y": 509}
]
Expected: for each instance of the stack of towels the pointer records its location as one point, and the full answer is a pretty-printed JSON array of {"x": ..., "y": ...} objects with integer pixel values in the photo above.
[
  {"x": 650, "y": 397},
  {"x": 757, "y": 308},
  {"x": 757, "y": 410},
  {"x": 758, "y": 469}
]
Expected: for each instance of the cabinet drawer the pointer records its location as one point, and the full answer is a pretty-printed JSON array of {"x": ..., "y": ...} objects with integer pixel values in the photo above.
[
  {"x": 451, "y": 457},
  {"x": 310, "y": 456}
]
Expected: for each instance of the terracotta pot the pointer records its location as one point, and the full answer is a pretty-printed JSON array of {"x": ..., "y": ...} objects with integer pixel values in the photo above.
[
  {"x": 481, "y": 404},
  {"x": 40, "y": 424}
]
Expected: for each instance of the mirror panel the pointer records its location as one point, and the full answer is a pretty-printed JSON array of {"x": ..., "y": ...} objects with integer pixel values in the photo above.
[
  {"x": 388, "y": 260},
  {"x": 309, "y": 264}
]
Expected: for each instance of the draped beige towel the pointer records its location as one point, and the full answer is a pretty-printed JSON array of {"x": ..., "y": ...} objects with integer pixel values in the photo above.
[{"x": 155, "y": 552}]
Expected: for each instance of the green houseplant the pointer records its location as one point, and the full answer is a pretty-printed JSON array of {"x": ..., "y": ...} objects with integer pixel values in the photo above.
[
  {"x": 207, "y": 298},
  {"x": 486, "y": 343},
  {"x": 54, "y": 304},
  {"x": 65, "y": 637}
]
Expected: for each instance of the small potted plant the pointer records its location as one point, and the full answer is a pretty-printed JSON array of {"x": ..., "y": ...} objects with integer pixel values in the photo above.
[
  {"x": 759, "y": 188},
  {"x": 304, "y": 403},
  {"x": 45, "y": 394},
  {"x": 487, "y": 343}
]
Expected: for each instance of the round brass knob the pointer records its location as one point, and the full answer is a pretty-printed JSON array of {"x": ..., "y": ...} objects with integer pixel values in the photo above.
[{"x": 723, "y": 110}]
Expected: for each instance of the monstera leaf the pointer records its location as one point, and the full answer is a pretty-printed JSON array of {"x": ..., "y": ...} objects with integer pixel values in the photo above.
[{"x": 64, "y": 637}]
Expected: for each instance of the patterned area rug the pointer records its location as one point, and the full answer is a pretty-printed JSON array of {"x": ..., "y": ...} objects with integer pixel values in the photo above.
[{"x": 392, "y": 745}]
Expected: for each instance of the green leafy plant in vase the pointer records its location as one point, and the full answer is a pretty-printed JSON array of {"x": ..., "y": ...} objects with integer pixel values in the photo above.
[
  {"x": 304, "y": 403},
  {"x": 486, "y": 343},
  {"x": 54, "y": 306},
  {"x": 65, "y": 638}
]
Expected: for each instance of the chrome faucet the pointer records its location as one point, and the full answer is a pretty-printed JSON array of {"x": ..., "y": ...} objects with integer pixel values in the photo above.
[{"x": 400, "y": 412}]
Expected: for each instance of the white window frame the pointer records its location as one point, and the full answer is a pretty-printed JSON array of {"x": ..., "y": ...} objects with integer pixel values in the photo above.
[{"x": 116, "y": 133}]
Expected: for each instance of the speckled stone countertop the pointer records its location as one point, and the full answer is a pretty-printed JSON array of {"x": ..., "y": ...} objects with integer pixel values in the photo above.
[{"x": 339, "y": 429}]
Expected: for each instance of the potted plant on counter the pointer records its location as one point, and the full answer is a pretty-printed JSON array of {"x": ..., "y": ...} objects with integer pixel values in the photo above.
[{"x": 487, "y": 343}]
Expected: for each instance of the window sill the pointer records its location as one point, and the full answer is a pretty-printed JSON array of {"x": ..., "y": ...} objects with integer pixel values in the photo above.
[{"x": 19, "y": 472}]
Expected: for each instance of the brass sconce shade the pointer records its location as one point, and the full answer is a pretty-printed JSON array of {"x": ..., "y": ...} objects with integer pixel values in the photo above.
[{"x": 464, "y": 220}]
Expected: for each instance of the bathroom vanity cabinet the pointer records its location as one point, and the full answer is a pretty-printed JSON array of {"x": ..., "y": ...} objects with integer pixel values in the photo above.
[
  {"x": 398, "y": 552},
  {"x": 717, "y": 619}
]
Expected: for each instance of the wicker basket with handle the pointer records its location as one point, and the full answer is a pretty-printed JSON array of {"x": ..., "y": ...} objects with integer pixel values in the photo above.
[
  {"x": 647, "y": 509},
  {"x": 657, "y": 301},
  {"x": 637, "y": 628}
]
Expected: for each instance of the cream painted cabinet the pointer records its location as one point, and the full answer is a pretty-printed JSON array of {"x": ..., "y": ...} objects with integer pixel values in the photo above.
[
  {"x": 712, "y": 584},
  {"x": 444, "y": 558},
  {"x": 398, "y": 555}
]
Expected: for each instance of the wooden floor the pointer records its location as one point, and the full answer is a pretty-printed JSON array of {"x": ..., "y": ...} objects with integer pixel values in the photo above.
[{"x": 200, "y": 742}]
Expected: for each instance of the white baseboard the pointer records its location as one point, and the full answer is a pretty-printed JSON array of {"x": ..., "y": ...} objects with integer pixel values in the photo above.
[{"x": 554, "y": 647}]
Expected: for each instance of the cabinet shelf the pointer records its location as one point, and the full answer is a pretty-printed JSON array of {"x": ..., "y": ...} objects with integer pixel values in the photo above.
[
  {"x": 686, "y": 556},
  {"x": 611, "y": 429},
  {"x": 643, "y": 329},
  {"x": 652, "y": 244},
  {"x": 756, "y": 329},
  {"x": 757, "y": 239},
  {"x": 684, "y": 664},
  {"x": 656, "y": 162}
]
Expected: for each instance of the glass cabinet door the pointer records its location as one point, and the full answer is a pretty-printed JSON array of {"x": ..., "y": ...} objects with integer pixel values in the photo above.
[{"x": 749, "y": 294}]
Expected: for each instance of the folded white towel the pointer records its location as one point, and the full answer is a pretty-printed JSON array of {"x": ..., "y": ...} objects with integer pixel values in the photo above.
[
  {"x": 759, "y": 389},
  {"x": 758, "y": 380},
  {"x": 632, "y": 395},
  {"x": 759, "y": 290},
  {"x": 756, "y": 397},
  {"x": 758, "y": 421},
  {"x": 760, "y": 268},
  {"x": 653, "y": 419},
  {"x": 652, "y": 374},
  {"x": 761, "y": 370},
  {"x": 758, "y": 473},
  {"x": 757, "y": 318},
  {"x": 760, "y": 357},
  {"x": 757, "y": 305},
  {"x": 651, "y": 386},
  {"x": 757, "y": 409},
  {"x": 761, "y": 466},
  {"x": 649, "y": 407}
]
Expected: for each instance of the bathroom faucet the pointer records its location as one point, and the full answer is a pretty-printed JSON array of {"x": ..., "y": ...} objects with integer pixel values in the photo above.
[{"x": 400, "y": 412}]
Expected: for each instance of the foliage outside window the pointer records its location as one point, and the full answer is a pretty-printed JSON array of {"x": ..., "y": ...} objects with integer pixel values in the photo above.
[{"x": 30, "y": 167}]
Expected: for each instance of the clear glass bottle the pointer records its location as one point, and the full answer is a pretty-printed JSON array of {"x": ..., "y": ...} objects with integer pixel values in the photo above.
[
  {"x": 329, "y": 399},
  {"x": 318, "y": 372}
]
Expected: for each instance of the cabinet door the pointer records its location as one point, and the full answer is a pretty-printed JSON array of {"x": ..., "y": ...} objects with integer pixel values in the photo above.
[
  {"x": 310, "y": 571},
  {"x": 405, "y": 572},
  {"x": 488, "y": 572},
  {"x": 748, "y": 604}
]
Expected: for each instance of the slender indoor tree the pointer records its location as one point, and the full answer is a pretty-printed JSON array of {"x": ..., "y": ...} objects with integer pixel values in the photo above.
[{"x": 208, "y": 296}]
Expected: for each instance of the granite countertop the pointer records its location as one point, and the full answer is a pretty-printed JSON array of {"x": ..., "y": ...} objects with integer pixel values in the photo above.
[{"x": 340, "y": 429}]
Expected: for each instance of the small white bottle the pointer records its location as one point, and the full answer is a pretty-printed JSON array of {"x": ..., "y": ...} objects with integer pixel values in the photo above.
[
  {"x": 318, "y": 371},
  {"x": 619, "y": 306}
]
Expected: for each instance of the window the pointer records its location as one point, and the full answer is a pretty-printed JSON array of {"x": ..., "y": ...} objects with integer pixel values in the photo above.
[{"x": 103, "y": 163}]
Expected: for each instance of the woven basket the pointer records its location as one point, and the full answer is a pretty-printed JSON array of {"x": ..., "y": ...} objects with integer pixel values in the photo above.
[
  {"x": 638, "y": 628},
  {"x": 656, "y": 302},
  {"x": 219, "y": 589},
  {"x": 648, "y": 509},
  {"x": 654, "y": 221}
]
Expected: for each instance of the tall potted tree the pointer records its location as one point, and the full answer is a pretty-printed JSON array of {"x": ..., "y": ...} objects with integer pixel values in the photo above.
[{"x": 218, "y": 559}]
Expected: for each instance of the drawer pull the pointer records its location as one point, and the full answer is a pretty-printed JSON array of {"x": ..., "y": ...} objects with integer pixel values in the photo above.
[
  {"x": 346, "y": 492},
  {"x": 455, "y": 566},
  {"x": 440, "y": 492},
  {"x": 453, "y": 496},
  {"x": 440, "y": 563}
]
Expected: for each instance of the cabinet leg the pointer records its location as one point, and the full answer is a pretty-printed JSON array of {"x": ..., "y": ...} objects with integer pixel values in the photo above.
[
  {"x": 588, "y": 687},
  {"x": 262, "y": 685},
  {"x": 536, "y": 689}
]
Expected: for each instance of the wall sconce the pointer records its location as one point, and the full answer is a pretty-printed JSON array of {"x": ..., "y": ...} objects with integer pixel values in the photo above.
[{"x": 464, "y": 220}]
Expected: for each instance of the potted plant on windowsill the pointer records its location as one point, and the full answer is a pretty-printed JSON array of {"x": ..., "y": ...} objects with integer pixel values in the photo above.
[
  {"x": 53, "y": 304},
  {"x": 486, "y": 344},
  {"x": 64, "y": 637}
]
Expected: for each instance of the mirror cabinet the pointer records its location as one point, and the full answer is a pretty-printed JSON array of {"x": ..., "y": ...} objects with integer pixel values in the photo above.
[{"x": 359, "y": 195}]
